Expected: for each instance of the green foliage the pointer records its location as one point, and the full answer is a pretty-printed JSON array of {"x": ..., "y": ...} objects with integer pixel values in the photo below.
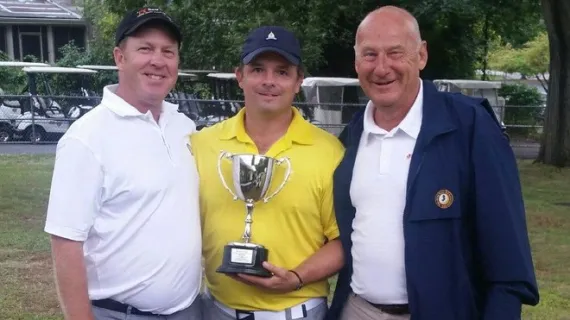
[
  {"x": 532, "y": 59},
  {"x": 452, "y": 54},
  {"x": 68, "y": 84},
  {"x": 214, "y": 30},
  {"x": 458, "y": 31},
  {"x": 505, "y": 21},
  {"x": 12, "y": 80},
  {"x": 520, "y": 95},
  {"x": 103, "y": 25},
  {"x": 73, "y": 56},
  {"x": 515, "y": 21},
  {"x": 524, "y": 106}
]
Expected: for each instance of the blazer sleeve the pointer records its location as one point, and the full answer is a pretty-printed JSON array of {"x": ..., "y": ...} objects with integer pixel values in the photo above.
[{"x": 500, "y": 225}]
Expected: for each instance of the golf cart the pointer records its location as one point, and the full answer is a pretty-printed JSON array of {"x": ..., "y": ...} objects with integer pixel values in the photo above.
[
  {"x": 181, "y": 96},
  {"x": 106, "y": 75},
  {"x": 224, "y": 101},
  {"x": 42, "y": 117},
  {"x": 313, "y": 102},
  {"x": 330, "y": 102},
  {"x": 480, "y": 89},
  {"x": 11, "y": 104}
]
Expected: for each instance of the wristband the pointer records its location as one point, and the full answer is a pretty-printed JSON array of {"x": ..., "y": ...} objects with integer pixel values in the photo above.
[{"x": 300, "y": 285}]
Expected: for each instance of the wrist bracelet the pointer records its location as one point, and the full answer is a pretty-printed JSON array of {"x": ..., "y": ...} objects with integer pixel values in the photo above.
[{"x": 300, "y": 285}]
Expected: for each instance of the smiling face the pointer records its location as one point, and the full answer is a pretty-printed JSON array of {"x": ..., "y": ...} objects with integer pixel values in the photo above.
[
  {"x": 269, "y": 83},
  {"x": 389, "y": 56},
  {"x": 148, "y": 65}
]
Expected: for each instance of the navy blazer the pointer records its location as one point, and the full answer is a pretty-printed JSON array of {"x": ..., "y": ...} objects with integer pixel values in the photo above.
[{"x": 471, "y": 260}]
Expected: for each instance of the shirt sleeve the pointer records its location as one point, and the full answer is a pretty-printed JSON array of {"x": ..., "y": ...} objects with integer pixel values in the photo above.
[
  {"x": 75, "y": 194},
  {"x": 328, "y": 216}
]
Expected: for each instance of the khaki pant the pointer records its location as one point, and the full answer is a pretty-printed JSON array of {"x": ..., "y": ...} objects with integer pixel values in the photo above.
[{"x": 357, "y": 308}]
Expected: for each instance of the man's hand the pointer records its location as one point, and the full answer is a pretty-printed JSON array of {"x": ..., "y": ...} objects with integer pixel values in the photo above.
[{"x": 282, "y": 280}]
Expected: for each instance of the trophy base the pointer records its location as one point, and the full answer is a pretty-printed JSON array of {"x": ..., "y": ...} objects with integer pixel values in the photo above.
[{"x": 246, "y": 258}]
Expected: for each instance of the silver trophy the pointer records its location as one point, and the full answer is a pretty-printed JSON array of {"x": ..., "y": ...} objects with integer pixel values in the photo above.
[{"x": 252, "y": 176}]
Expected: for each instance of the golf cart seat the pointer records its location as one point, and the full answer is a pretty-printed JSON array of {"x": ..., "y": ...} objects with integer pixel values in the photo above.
[
  {"x": 11, "y": 103},
  {"x": 186, "y": 103},
  {"x": 8, "y": 103}
]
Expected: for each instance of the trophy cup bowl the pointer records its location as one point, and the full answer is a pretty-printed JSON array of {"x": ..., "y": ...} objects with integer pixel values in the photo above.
[{"x": 252, "y": 175}]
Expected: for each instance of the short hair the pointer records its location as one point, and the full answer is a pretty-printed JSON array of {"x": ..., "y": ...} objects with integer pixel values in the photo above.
[{"x": 300, "y": 69}]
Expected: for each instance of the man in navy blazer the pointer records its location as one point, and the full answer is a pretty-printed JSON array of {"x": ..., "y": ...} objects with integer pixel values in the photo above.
[{"x": 427, "y": 197}]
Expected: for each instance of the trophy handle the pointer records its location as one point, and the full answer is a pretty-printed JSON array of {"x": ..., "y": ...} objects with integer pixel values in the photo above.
[
  {"x": 227, "y": 155},
  {"x": 278, "y": 162}
]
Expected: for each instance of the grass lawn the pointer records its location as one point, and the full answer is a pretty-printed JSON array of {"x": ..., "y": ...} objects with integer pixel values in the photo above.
[{"x": 26, "y": 285}]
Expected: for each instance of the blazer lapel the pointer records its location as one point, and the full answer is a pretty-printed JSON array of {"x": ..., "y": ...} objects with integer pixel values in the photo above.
[{"x": 436, "y": 120}]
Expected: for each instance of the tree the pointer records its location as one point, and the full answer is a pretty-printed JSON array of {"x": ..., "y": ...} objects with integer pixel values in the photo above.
[
  {"x": 215, "y": 29},
  {"x": 441, "y": 23},
  {"x": 514, "y": 21},
  {"x": 533, "y": 59},
  {"x": 555, "y": 146},
  {"x": 457, "y": 31}
]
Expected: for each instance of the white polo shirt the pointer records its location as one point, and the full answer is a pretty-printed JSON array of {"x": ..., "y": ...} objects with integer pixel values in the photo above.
[
  {"x": 378, "y": 192},
  {"x": 127, "y": 187}
]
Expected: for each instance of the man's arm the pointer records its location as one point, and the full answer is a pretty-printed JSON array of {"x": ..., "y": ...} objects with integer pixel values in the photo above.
[
  {"x": 324, "y": 263},
  {"x": 73, "y": 203},
  {"x": 502, "y": 244},
  {"x": 70, "y": 278}
]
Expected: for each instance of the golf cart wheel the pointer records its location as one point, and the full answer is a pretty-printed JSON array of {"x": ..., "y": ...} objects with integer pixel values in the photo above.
[
  {"x": 6, "y": 133},
  {"x": 38, "y": 136}
]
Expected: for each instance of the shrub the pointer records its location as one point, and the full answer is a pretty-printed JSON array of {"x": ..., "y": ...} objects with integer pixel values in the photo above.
[{"x": 523, "y": 106}]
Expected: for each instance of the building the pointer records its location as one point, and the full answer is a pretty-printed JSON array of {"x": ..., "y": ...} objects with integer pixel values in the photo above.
[{"x": 39, "y": 28}]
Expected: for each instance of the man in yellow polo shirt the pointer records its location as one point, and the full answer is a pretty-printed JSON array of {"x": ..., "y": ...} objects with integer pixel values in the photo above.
[{"x": 297, "y": 225}]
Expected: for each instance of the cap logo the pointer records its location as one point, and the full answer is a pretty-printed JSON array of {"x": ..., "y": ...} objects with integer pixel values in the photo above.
[
  {"x": 144, "y": 11},
  {"x": 271, "y": 36}
]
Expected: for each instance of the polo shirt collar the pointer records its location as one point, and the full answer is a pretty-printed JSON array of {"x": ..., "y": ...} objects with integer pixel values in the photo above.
[
  {"x": 123, "y": 109},
  {"x": 411, "y": 123},
  {"x": 299, "y": 130}
]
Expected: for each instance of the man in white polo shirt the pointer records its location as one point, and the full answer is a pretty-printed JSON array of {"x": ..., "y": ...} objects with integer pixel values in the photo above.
[{"x": 123, "y": 209}]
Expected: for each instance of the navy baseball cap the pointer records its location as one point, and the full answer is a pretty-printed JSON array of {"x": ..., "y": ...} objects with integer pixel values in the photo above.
[
  {"x": 137, "y": 18},
  {"x": 271, "y": 39}
]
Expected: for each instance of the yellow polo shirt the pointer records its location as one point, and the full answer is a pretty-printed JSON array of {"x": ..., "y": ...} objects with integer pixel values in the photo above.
[{"x": 293, "y": 225}]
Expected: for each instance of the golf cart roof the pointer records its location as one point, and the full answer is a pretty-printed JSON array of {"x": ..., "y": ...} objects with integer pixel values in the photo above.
[
  {"x": 470, "y": 84},
  {"x": 184, "y": 74},
  {"x": 222, "y": 76},
  {"x": 329, "y": 82},
  {"x": 20, "y": 64},
  {"x": 96, "y": 67},
  {"x": 57, "y": 70},
  {"x": 199, "y": 71}
]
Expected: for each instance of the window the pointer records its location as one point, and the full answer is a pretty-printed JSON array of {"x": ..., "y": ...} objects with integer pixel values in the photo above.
[
  {"x": 31, "y": 42},
  {"x": 63, "y": 35}
]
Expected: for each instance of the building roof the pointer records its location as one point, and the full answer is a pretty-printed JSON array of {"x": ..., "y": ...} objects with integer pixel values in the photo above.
[{"x": 36, "y": 10}]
